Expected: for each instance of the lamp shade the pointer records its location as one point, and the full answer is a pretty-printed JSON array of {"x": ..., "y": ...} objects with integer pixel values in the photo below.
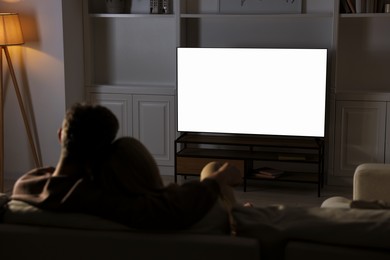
[{"x": 10, "y": 29}]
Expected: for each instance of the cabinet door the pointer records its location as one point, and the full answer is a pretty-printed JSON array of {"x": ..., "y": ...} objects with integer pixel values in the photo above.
[
  {"x": 387, "y": 144},
  {"x": 154, "y": 125},
  {"x": 359, "y": 136},
  {"x": 120, "y": 105}
]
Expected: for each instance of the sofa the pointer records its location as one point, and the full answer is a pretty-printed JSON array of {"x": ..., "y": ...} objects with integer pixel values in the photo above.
[
  {"x": 370, "y": 201},
  {"x": 336, "y": 230},
  {"x": 27, "y": 232}
]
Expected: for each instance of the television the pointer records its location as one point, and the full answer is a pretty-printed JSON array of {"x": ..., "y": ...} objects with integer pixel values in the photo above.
[{"x": 255, "y": 91}]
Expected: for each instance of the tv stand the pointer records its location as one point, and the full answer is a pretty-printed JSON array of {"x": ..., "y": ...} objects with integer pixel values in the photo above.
[{"x": 193, "y": 151}]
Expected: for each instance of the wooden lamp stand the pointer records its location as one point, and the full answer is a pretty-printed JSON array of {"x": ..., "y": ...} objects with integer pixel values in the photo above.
[{"x": 11, "y": 34}]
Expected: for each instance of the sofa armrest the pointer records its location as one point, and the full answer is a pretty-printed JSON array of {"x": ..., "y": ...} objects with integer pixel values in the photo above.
[{"x": 371, "y": 182}]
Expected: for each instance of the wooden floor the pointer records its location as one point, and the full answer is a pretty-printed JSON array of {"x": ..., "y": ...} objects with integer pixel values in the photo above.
[{"x": 265, "y": 193}]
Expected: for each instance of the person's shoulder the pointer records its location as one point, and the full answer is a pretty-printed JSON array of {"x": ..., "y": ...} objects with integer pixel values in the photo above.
[
  {"x": 32, "y": 181},
  {"x": 125, "y": 140},
  {"x": 39, "y": 172}
]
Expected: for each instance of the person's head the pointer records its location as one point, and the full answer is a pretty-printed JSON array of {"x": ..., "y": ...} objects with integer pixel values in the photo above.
[{"x": 87, "y": 131}]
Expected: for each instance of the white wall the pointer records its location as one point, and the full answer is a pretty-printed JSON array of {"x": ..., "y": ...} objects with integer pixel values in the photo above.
[{"x": 42, "y": 77}]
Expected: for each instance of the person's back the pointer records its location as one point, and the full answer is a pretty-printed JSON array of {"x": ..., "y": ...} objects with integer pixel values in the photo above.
[{"x": 142, "y": 201}]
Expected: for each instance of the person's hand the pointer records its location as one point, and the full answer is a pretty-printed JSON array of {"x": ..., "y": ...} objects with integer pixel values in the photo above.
[
  {"x": 226, "y": 176},
  {"x": 229, "y": 174}
]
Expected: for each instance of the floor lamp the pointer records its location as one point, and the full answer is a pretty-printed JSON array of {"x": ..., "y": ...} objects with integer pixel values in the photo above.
[{"x": 11, "y": 34}]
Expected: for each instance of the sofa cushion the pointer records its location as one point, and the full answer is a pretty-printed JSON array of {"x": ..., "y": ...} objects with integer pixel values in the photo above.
[
  {"x": 19, "y": 212},
  {"x": 306, "y": 250},
  {"x": 43, "y": 235},
  {"x": 372, "y": 204},
  {"x": 336, "y": 202},
  {"x": 370, "y": 182},
  {"x": 337, "y": 226},
  {"x": 347, "y": 227}
]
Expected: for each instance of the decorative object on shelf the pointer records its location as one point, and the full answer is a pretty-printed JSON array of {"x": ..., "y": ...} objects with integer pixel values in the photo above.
[
  {"x": 115, "y": 6},
  {"x": 387, "y": 8},
  {"x": 261, "y": 6},
  {"x": 11, "y": 34},
  {"x": 159, "y": 6}
]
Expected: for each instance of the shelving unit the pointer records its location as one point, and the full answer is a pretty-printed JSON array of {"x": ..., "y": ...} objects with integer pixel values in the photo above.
[
  {"x": 203, "y": 25},
  {"x": 242, "y": 151},
  {"x": 132, "y": 56},
  {"x": 130, "y": 67},
  {"x": 360, "y": 93}
]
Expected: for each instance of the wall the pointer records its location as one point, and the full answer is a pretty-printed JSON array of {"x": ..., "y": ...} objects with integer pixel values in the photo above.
[{"x": 43, "y": 79}]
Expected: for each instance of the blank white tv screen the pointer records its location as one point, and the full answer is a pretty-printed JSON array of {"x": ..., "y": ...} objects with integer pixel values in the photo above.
[{"x": 257, "y": 91}]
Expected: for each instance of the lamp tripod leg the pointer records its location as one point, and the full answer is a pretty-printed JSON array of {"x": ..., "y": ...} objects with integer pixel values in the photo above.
[
  {"x": 37, "y": 160},
  {"x": 1, "y": 125}
]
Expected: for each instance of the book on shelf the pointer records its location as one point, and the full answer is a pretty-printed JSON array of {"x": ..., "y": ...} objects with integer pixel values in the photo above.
[
  {"x": 351, "y": 5},
  {"x": 267, "y": 173},
  {"x": 363, "y": 6},
  {"x": 344, "y": 8}
]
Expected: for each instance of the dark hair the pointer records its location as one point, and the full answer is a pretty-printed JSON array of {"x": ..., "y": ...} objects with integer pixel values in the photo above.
[{"x": 89, "y": 130}]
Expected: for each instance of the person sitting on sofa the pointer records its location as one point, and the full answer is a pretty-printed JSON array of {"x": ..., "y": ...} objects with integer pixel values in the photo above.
[
  {"x": 77, "y": 184},
  {"x": 82, "y": 183},
  {"x": 85, "y": 135}
]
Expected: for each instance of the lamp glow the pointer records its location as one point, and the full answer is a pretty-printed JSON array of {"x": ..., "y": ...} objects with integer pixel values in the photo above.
[
  {"x": 11, "y": 34},
  {"x": 10, "y": 30}
]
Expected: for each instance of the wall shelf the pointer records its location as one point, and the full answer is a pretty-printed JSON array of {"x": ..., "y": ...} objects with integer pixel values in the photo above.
[
  {"x": 259, "y": 16},
  {"x": 366, "y": 15},
  {"x": 105, "y": 15}
]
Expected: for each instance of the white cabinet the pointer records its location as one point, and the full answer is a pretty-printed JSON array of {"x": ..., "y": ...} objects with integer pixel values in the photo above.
[
  {"x": 121, "y": 106},
  {"x": 148, "y": 118},
  {"x": 154, "y": 125},
  {"x": 359, "y": 94},
  {"x": 360, "y": 135}
]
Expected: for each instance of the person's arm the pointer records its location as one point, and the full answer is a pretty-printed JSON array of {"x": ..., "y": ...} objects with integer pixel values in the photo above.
[
  {"x": 223, "y": 173},
  {"x": 173, "y": 208},
  {"x": 226, "y": 176}
]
